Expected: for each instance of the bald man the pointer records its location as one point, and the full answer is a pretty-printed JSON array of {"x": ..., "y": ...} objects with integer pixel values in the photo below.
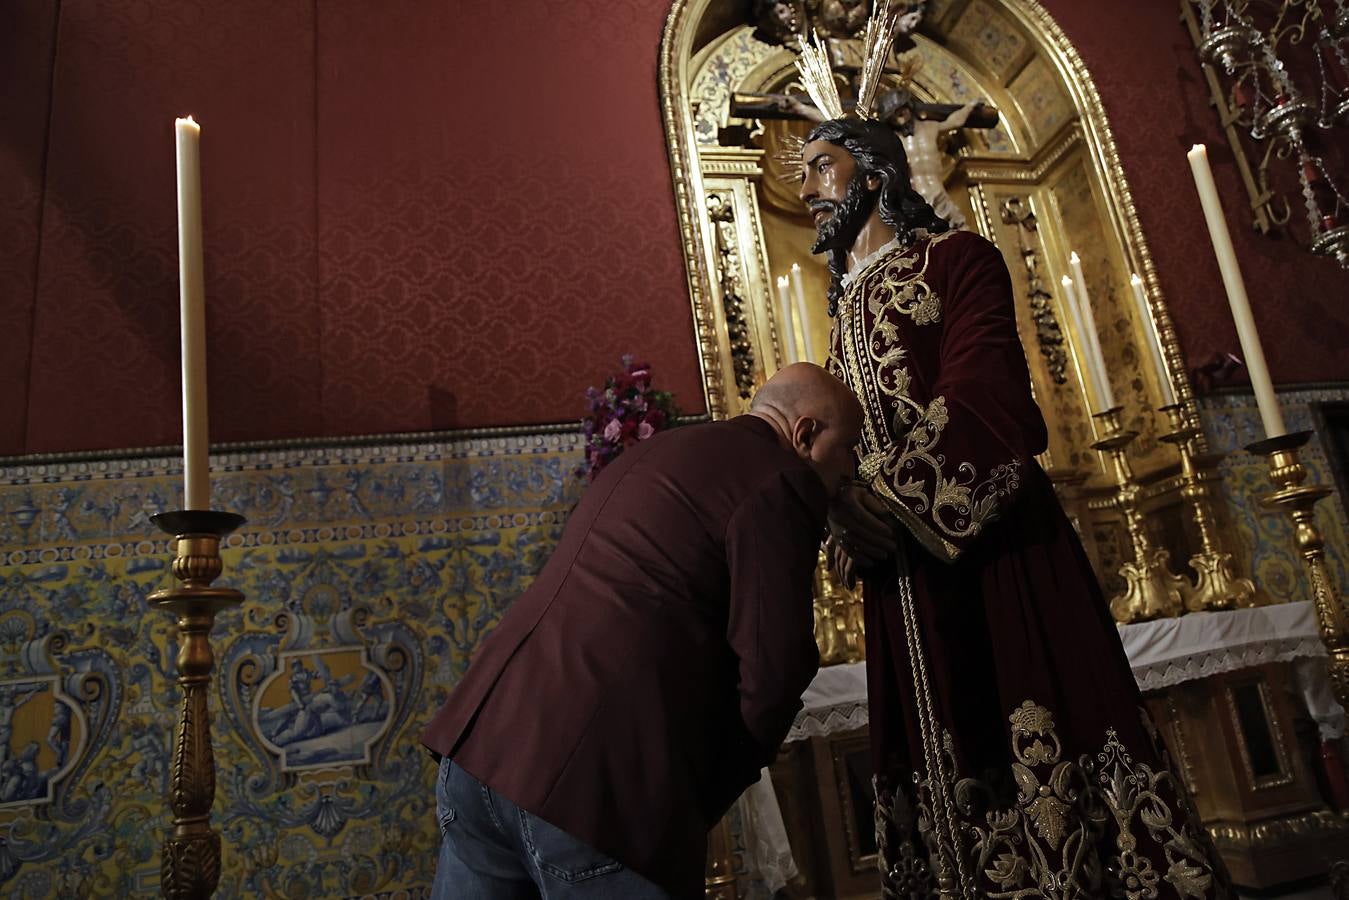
[{"x": 653, "y": 668}]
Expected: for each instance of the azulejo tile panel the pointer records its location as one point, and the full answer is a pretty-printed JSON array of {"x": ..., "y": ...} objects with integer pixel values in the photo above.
[{"x": 370, "y": 576}]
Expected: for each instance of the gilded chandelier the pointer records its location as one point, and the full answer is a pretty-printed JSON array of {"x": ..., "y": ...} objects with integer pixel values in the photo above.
[{"x": 1285, "y": 86}]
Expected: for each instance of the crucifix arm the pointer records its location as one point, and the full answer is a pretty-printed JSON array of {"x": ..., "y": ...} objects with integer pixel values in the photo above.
[
  {"x": 958, "y": 118},
  {"x": 977, "y": 115},
  {"x": 773, "y": 106}
]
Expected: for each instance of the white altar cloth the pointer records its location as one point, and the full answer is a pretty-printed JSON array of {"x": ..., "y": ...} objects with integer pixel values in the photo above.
[{"x": 1165, "y": 652}]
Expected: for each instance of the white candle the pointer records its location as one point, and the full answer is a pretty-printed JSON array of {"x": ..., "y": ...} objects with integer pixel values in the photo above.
[
  {"x": 1086, "y": 363},
  {"x": 786, "y": 331},
  {"x": 798, "y": 286},
  {"x": 1093, "y": 340},
  {"x": 1153, "y": 338},
  {"x": 1270, "y": 413},
  {"x": 192, "y": 294}
]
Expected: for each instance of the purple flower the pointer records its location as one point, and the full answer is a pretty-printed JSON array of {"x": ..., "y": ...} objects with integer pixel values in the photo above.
[
  {"x": 612, "y": 430},
  {"x": 645, "y": 431}
]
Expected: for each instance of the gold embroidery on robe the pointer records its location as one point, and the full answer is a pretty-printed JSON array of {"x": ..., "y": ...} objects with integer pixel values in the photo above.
[
  {"x": 1052, "y": 840},
  {"x": 937, "y": 500}
]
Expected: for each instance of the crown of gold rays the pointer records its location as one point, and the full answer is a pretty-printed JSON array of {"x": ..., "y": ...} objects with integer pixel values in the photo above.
[
  {"x": 817, "y": 76},
  {"x": 812, "y": 61},
  {"x": 876, "y": 46},
  {"x": 788, "y": 157}
]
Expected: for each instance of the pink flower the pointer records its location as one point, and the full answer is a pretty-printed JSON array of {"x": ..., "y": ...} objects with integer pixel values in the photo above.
[
  {"x": 645, "y": 431},
  {"x": 612, "y": 430}
]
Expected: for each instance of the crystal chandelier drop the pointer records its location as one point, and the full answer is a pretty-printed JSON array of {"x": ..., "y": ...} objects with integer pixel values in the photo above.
[{"x": 1284, "y": 84}]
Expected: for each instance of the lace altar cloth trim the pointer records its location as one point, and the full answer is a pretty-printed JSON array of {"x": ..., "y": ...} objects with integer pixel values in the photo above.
[
  {"x": 1167, "y": 652},
  {"x": 819, "y": 723},
  {"x": 836, "y": 700}
]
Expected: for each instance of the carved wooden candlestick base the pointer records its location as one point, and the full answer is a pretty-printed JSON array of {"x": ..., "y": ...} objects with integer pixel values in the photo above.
[
  {"x": 1152, "y": 590},
  {"x": 1218, "y": 586},
  {"x": 189, "y": 865},
  {"x": 1298, "y": 500}
]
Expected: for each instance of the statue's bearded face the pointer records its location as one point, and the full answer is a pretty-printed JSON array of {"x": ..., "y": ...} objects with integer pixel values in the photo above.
[{"x": 836, "y": 193}]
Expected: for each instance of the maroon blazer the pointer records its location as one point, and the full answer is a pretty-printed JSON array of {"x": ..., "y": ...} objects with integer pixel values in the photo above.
[{"x": 656, "y": 664}]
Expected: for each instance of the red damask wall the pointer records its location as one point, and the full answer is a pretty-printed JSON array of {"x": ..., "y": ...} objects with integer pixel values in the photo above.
[
  {"x": 429, "y": 215},
  {"x": 418, "y": 215}
]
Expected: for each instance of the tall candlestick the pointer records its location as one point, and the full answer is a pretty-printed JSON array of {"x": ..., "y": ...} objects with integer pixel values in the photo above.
[
  {"x": 192, "y": 294},
  {"x": 798, "y": 286},
  {"x": 1153, "y": 338},
  {"x": 1093, "y": 339},
  {"x": 1270, "y": 413},
  {"x": 787, "y": 333}
]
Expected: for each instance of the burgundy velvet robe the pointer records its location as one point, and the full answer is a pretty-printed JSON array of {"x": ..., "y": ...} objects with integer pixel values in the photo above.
[{"x": 1010, "y": 746}]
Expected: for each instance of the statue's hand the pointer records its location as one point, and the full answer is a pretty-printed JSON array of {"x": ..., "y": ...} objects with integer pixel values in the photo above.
[{"x": 862, "y": 526}]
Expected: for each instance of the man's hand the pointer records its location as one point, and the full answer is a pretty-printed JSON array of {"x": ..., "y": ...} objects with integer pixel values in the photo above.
[{"x": 862, "y": 525}]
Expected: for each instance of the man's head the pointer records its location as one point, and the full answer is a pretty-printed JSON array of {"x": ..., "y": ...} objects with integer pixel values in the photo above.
[{"x": 816, "y": 416}]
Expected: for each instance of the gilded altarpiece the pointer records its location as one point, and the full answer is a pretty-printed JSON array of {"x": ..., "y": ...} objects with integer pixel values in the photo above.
[{"x": 1044, "y": 182}]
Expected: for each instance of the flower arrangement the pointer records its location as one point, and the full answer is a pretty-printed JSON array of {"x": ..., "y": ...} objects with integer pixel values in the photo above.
[{"x": 625, "y": 411}]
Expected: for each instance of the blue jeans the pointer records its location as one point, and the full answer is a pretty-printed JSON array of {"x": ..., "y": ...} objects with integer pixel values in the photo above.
[{"x": 491, "y": 849}]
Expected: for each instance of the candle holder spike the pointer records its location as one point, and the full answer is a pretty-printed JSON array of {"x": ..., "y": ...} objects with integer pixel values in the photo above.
[
  {"x": 189, "y": 865},
  {"x": 1298, "y": 500},
  {"x": 1152, "y": 590},
  {"x": 1217, "y": 586}
]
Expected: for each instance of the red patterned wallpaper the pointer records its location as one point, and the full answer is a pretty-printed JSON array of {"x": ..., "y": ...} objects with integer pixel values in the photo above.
[
  {"x": 25, "y": 71},
  {"x": 418, "y": 216},
  {"x": 428, "y": 216}
]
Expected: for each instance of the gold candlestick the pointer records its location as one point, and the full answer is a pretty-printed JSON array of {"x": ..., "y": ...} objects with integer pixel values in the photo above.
[
  {"x": 719, "y": 882},
  {"x": 839, "y": 630},
  {"x": 1152, "y": 590},
  {"x": 1218, "y": 586},
  {"x": 189, "y": 865},
  {"x": 1298, "y": 500}
]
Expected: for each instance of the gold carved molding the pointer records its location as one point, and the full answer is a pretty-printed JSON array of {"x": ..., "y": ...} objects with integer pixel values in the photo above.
[
  {"x": 675, "y": 50},
  {"x": 1276, "y": 833},
  {"x": 1021, "y": 170}
]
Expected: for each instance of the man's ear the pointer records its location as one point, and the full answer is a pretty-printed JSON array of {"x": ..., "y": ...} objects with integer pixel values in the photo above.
[
  {"x": 804, "y": 432},
  {"x": 873, "y": 182}
]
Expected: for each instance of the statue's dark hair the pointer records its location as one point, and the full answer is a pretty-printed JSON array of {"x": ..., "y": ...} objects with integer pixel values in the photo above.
[{"x": 878, "y": 151}]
